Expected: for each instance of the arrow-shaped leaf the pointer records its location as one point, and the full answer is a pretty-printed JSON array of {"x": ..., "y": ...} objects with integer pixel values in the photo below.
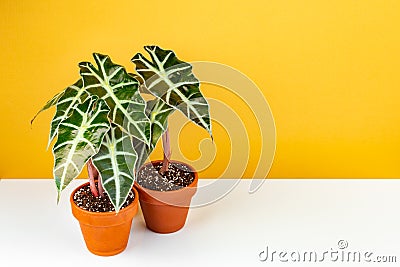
[
  {"x": 79, "y": 138},
  {"x": 173, "y": 81},
  {"x": 115, "y": 162},
  {"x": 112, "y": 83}
]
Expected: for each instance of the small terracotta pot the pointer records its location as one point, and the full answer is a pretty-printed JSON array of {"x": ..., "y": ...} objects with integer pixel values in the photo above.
[
  {"x": 105, "y": 233},
  {"x": 166, "y": 212}
]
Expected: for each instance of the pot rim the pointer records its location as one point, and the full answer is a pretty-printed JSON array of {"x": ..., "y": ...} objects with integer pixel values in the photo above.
[
  {"x": 103, "y": 214},
  {"x": 191, "y": 185},
  {"x": 179, "y": 198}
]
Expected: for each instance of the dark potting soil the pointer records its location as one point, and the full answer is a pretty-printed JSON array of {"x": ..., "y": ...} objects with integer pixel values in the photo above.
[
  {"x": 84, "y": 199},
  {"x": 177, "y": 176}
]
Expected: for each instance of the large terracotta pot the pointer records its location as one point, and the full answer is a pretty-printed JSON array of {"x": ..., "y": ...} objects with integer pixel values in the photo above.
[
  {"x": 166, "y": 212},
  {"x": 105, "y": 233}
]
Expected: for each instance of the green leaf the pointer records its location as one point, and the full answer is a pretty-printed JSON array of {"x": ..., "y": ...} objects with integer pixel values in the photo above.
[
  {"x": 173, "y": 81},
  {"x": 79, "y": 138},
  {"x": 112, "y": 83},
  {"x": 142, "y": 151},
  {"x": 65, "y": 101},
  {"x": 72, "y": 96},
  {"x": 115, "y": 162},
  {"x": 48, "y": 105},
  {"x": 158, "y": 113}
]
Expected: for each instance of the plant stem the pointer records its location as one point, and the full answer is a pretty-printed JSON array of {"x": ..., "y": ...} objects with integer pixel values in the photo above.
[
  {"x": 167, "y": 151},
  {"x": 100, "y": 186},
  {"x": 93, "y": 174}
]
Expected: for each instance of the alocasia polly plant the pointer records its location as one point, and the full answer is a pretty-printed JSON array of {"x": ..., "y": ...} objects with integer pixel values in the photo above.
[{"x": 103, "y": 122}]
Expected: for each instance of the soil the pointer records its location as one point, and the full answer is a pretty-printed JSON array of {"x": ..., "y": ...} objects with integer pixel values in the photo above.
[
  {"x": 84, "y": 199},
  {"x": 177, "y": 176}
]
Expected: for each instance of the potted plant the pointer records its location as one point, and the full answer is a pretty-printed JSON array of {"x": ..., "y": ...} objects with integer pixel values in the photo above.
[
  {"x": 95, "y": 121},
  {"x": 103, "y": 122},
  {"x": 165, "y": 186}
]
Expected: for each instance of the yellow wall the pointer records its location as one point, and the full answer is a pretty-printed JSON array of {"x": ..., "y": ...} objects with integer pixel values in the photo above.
[{"x": 329, "y": 69}]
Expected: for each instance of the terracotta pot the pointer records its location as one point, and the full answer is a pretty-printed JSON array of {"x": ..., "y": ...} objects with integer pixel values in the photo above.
[
  {"x": 166, "y": 212},
  {"x": 105, "y": 233}
]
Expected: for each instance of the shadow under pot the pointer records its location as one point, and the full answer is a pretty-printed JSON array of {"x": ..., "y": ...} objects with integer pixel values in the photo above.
[
  {"x": 105, "y": 233},
  {"x": 165, "y": 199}
]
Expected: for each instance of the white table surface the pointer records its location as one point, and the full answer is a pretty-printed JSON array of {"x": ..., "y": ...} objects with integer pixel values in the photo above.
[{"x": 285, "y": 215}]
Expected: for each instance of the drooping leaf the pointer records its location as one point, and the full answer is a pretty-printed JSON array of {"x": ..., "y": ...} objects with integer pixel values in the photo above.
[
  {"x": 48, "y": 105},
  {"x": 72, "y": 96},
  {"x": 79, "y": 138},
  {"x": 112, "y": 83},
  {"x": 173, "y": 81},
  {"x": 115, "y": 162}
]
